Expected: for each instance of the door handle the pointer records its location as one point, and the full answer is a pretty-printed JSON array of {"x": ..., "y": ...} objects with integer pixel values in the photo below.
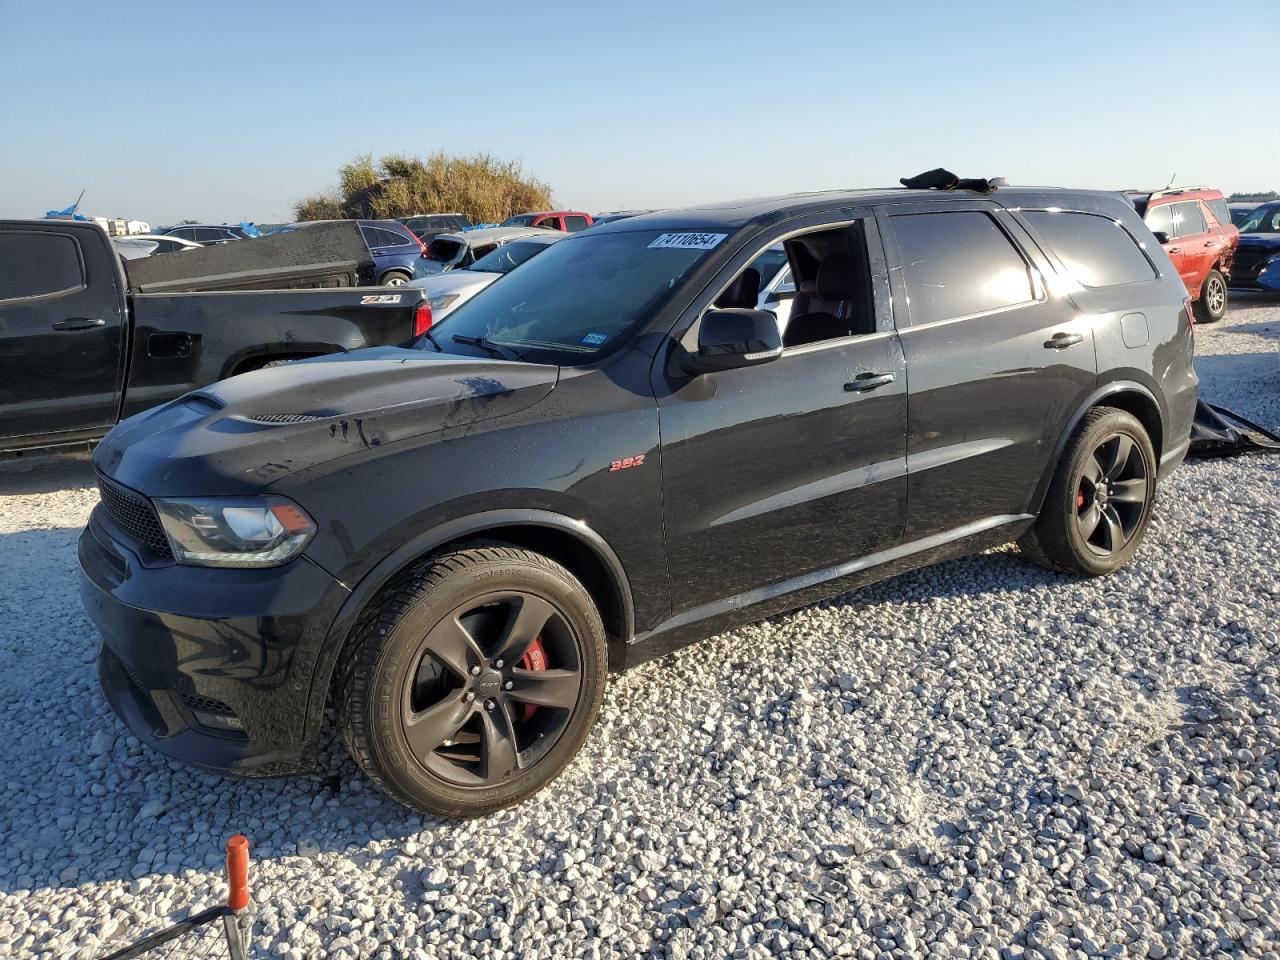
[
  {"x": 869, "y": 381},
  {"x": 1211, "y": 243},
  {"x": 1060, "y": 341},
  {"x": 79, "y": 323},
  {"x": 1174, "y": 250}
]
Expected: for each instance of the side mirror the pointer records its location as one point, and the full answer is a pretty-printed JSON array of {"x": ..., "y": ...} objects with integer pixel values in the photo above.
[
  {"x": 1161, "y": 237},
  {"x": 780, "y": 295},
  {"x": 736, "y": 337}
]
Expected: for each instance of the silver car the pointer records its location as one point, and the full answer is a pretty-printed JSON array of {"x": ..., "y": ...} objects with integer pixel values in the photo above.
[
  {"x": 453, "y": 251},
  {"x": 446, "y": 292}
]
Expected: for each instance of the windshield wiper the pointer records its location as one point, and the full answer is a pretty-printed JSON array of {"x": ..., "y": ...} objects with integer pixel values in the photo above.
[{"x": 484, "y": 343}]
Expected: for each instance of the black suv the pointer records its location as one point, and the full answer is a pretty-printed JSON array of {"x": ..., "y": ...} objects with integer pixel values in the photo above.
[{"x": 615, "y": 451}]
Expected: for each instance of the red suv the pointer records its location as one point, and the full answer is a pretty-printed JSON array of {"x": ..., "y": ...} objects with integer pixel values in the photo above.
[
  {"x": 570, "y": 221},
  {"x": 1194, "y": 226}
]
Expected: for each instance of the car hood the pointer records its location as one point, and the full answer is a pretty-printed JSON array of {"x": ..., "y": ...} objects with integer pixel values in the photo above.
[
  {"x": 245, "y": 433},
  {"x": 1264, "y": 241},
  {"x": 454, "y": 281}
]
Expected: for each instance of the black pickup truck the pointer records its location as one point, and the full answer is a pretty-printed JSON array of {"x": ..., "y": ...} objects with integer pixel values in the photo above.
[{"x": 80, "y": 350}]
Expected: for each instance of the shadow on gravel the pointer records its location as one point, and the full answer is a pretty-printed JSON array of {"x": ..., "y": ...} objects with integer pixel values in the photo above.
[{"x": 45, "y": 475}]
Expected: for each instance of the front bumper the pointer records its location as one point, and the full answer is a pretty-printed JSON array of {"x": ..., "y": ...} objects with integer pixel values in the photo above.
[{"x": 213, "y": 667}]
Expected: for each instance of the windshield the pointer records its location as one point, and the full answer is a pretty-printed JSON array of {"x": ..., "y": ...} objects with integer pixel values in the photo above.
[
  {"x": 580, "y": 298},
  {"x": 507, "y": 257},
  {"x": 522, "y": 220},
  {"x": 1262, "y": 220}
]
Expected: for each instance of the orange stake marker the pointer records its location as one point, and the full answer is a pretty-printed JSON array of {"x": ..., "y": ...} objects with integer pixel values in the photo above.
[{"x": 238, "y": 872}]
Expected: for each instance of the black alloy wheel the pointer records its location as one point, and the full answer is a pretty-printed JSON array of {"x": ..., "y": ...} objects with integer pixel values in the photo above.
[
  {"x": 1111, "y": 499},
  {"x": 472, "y": 679},
  {"x": 483, "y": 703},
  {"x": 1100, "y": 497}
]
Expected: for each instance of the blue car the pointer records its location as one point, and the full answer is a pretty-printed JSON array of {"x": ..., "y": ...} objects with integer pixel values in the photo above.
[
  {"x": 1257, "y": 262},
  {"x": 391, "y": 244}
]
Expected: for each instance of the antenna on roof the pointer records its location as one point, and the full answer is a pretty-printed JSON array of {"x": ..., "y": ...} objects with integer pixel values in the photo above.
[{"x": 1169, "y": 185}]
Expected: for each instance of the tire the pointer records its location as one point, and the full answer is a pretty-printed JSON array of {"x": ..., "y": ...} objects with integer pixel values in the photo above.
[
  {"x": 1212, "y": 305},
  {"x": 1100, "y": 499},
  {"x": 394, "y": 278},
  {"x": 430, "y": 712},
  {"x": 275, "y": 363}
]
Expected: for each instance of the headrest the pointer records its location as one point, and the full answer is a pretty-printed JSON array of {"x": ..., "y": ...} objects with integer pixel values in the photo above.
[
  {"x": 836, "y": 278},
  {"x": 744, "y": 292}
]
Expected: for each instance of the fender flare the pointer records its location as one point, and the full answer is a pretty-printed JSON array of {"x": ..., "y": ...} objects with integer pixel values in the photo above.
[
  {"x": 1098, "y": 395},
  {"x": 423, "y": 544}
]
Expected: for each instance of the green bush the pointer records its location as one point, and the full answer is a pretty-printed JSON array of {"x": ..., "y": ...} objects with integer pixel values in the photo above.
[{"x": 486, "y": 189}]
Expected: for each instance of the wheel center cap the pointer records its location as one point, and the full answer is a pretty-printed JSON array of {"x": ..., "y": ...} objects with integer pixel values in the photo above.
[
  {"x": 489, "y": 683},
  {"x": 1100, "y": 494}
]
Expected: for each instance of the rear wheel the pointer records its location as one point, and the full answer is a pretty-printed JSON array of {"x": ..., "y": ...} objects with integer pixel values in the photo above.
[
  {"x": 473, "y": 680},
  {"x": 1099, "y": 502},
  {"x": 394, "y": 278},
  {"x": 1212, "y": 304}
]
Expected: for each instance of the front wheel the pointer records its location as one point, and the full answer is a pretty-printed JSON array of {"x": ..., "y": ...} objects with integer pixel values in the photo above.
[
  {"x": 1212, "y": 305},
  {"x": 1099, "y": 503},
  {"x": 473, "y": 680}
]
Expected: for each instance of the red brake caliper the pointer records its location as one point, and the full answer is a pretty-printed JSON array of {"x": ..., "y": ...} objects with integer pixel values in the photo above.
[{"x": 535, "y": 658}]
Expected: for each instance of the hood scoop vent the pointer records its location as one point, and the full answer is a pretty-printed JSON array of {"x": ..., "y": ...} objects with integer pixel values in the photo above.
[{"x": 283, "y": 417}]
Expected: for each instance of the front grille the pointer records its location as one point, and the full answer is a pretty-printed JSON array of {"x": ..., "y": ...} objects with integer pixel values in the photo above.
[{"x": 135, "y": 516}]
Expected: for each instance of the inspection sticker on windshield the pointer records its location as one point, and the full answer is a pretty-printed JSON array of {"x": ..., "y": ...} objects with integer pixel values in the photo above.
[
  {"x": 595, "y": 339},
  {"x": 687, "y": 241},
  {"x": 381, "y": 298}
]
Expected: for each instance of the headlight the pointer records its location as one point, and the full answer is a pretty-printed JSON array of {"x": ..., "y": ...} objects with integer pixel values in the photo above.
[
  {"x": 235, "y": 531},
  {"x": 442, "y": 301}
]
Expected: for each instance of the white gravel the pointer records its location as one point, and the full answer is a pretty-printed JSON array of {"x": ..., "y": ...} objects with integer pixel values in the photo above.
[{"x": 977, "y": 760}]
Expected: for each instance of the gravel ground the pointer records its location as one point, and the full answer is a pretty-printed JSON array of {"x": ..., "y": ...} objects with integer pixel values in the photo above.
[{"x": 976, "y": 760}]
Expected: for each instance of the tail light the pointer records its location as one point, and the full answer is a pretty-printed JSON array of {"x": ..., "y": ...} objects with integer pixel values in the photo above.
[
  {"x": 418, "y": 240},
  {"x": 422, "y": 319}
]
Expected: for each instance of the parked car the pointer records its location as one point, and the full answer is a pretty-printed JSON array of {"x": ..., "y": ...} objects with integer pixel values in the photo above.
[
  {"x": 455, "y": 251},
  {"x": 1257, "y": 262},
  {"x": 1194, "y": 227},
  {"x": 79, "y": 350},
  {"x": 139, "y": 245},
  {"x": 616, "y": 215},
  {"x": 205, "y": 233},
  {"x": 570, "y": 221},
  {"x": 426, "y": 226},
  {"x": 394, "y": 248},
  {"x": 446, "y": 292},
  {"x": 625, "y": 456}
]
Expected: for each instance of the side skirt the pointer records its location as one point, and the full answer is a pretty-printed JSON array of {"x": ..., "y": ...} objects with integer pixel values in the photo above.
[{"x": 712, "y": 618}]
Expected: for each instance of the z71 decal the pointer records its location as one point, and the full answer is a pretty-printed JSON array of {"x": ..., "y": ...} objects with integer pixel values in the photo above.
[
  {"x": 626, "y": 463},
  {"x": 381, "y": 298}
]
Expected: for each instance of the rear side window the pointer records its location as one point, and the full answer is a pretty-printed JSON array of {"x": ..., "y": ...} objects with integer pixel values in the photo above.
[
  {"x": 1096, "y": 251},
  {"x": 377, "y": 237},
  {"x": 1187, "y": 219},
  {"x": 37, "y": 265},
  {"x": 1159, "y": 219},
  {"x": 574, "y": 224},
  {"x": 959, "y": 263},
  {"x": 443, "y": 251},
  {"x": 1221, "y": 212}
]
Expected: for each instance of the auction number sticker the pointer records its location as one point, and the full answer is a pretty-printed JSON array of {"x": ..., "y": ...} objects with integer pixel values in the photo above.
[
  {"x": 687, "y": 241},
  {"x": 381, "y": 298}
]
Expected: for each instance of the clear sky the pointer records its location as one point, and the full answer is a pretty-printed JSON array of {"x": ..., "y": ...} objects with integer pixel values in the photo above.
[{"x": 229, "y": 110}]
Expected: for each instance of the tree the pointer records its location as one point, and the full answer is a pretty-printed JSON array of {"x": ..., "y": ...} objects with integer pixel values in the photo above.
[{"x": 486, "y": 189}]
